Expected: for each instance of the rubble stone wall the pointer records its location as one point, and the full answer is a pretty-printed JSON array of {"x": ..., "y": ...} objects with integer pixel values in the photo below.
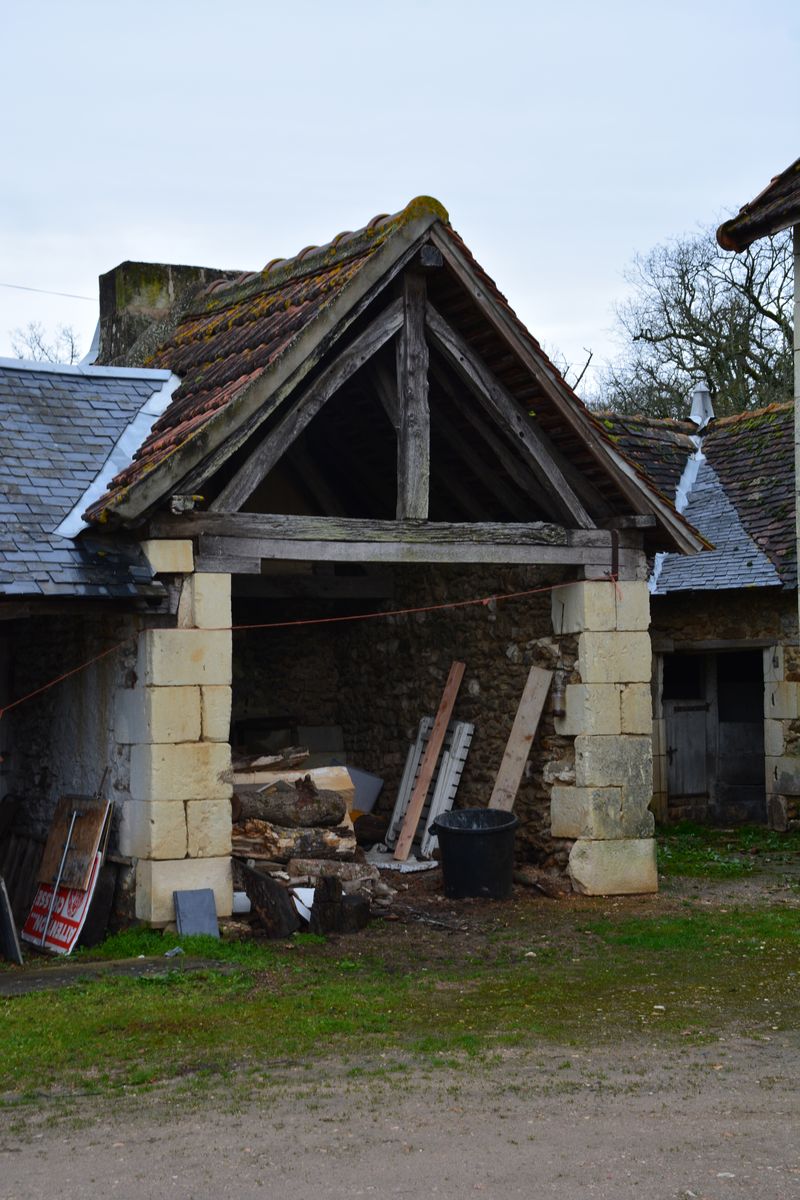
[{"x": 377, "y": 679}]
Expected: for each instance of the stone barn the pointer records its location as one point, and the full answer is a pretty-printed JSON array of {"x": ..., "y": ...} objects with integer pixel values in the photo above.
[
  {"x": 363, "y": 431},
  {"x": 724, "y": 624}
]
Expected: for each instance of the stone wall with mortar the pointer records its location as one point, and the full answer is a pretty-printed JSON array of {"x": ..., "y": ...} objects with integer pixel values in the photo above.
[
  {"x": 377, "y": 678},
  {"x": 608, "y": 711},
  {"x": 175, "y": 717},
  {"x": 712, "y": 620}
]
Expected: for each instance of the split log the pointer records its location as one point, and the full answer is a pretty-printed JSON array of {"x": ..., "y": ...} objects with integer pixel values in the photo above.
[
  {"x": 294, "y": 806},
  {"x": 334, "y": 779},
  {"x": 261, "y": 839},
  {"x": 271, "y": 902}
]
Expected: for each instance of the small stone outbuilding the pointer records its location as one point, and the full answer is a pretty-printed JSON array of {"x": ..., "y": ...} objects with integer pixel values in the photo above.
[
  {"x": 365, "y": 428},
  {"x": 724, "y": 624}
]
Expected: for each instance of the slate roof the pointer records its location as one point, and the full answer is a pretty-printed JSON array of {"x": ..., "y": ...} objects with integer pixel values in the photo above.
[
  {"x": 735, "y": 561},
  {"x": 740, "y": 494},
  {"x": 776, "y": 208},
  {"x": 753, "y": 455},
  {"x": 58, "y": 426}
]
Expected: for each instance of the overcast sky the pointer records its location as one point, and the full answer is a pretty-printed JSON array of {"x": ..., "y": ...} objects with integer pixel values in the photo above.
[{"x": 562, "y": 137}]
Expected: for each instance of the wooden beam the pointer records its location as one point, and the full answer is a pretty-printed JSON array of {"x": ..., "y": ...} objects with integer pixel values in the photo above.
[
  {"x": 304, "y": 407},
  {"x": 532, "y": 443},
  {"x": 520, "y": 740},
  {"x": 429, "y": 760},
  {"x": 414, "y": 422},
  {"x": 244, "y": 555},
  {"x": 345, "y": 529}
]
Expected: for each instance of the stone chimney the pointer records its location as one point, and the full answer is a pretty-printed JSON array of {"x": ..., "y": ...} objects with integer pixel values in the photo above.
[{"x": 140, "y": 305}]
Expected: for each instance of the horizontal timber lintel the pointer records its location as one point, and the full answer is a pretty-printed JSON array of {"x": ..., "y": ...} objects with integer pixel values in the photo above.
[{"x": 244, "y": 555}]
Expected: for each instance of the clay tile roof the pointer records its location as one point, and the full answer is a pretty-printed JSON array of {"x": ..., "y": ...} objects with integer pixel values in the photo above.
[
  {"x": 774, "y": 209},
  {"x": 658, "y": 446},
  {"x": 753, "y": 455},
  {"x": 237, "y": 330}
]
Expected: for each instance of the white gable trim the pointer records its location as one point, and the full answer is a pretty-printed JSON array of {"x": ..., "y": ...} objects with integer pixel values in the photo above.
[{"x": 126, "y": 446}]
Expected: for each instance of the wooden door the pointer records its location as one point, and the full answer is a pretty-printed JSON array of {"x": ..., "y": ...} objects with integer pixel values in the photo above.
[{"x": 687, "y": 747}]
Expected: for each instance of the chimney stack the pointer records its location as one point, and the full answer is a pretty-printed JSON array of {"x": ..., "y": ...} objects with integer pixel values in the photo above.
[{"x": 702, "y": 411}]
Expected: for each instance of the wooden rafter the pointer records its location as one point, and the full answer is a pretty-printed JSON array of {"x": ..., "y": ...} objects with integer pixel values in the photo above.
[
  {"x": 532, "y": 443},
  {"x": 261, "y": 461},
  {"x": 476, "y": 461}
]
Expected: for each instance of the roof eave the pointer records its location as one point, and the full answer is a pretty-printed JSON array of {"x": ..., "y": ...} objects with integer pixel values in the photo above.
[{"x": 740, "y": 232}]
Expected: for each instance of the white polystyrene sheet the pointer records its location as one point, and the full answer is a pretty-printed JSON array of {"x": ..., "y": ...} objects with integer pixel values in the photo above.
[{"x": 303, "y": 901}]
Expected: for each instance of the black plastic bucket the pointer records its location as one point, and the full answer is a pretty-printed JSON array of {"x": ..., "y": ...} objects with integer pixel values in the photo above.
[{"x": 477, "y": 846}]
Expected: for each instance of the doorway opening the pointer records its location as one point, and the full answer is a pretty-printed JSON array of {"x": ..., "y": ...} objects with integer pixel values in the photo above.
[{"x": 713, "y": 707}]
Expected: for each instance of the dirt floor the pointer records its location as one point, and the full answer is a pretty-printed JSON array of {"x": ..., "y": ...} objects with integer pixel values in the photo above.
[{"x": 642, "y": 1118}]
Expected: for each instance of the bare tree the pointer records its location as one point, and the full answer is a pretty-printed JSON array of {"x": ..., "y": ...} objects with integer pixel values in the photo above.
[
  {"x": 35, "y": 343},
  {"x": 699, "y": 313}
]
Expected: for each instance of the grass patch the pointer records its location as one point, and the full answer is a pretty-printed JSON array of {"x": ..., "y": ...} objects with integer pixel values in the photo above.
[
  {"x": 701, "y": 851},
  {"x": 404, "y": 999}
]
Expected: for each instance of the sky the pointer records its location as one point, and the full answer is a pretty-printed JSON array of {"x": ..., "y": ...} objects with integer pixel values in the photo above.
[{"x": 563, "y": 138}]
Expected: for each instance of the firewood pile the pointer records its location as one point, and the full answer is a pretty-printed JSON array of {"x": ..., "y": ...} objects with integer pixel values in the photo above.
[{"x": 292, "y": 834}]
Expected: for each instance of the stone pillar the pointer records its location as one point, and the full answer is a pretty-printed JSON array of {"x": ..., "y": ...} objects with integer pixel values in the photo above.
[
  {"x": 609, "y": 713},
  {"x": 176, "y": 719},
  {"x": 781, "y": 763}
]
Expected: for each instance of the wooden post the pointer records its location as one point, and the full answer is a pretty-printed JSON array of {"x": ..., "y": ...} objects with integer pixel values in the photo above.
[
  {"x": 429, "y": 760},
  {"x": 520, "y": 740},
  {"x": 414, "y": 427}
]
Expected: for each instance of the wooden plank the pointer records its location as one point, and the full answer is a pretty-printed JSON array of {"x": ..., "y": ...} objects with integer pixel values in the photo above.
[
  {"x": 520, "y": 740},
  {"x": 429, "y": 760},
  {"x": 414, "y": 424},
  {"x": 86, "y": 836},
  {"x": 490, "y": 392},
  {"x": 357, "y": 529},
  {"x": 304, "y": 407},
  {"x": 410, "y": 772},
  {"x": 231, "y": 554}
]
